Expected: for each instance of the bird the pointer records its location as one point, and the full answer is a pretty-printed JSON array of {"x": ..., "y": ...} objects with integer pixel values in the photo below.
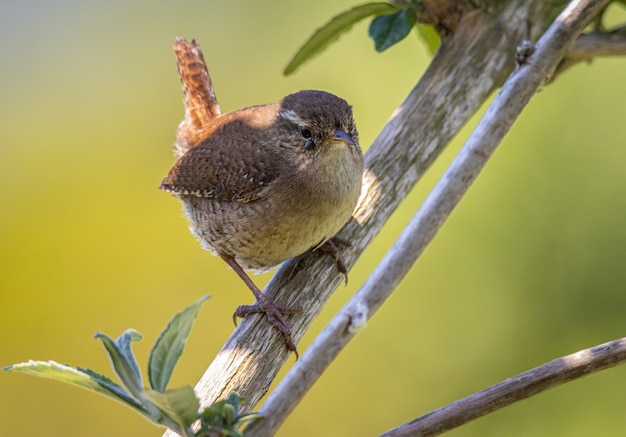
[{"x": 270, "y": 182}]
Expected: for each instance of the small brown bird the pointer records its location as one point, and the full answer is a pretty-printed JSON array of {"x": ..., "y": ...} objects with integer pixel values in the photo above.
[{"x": 269, "y": 183}]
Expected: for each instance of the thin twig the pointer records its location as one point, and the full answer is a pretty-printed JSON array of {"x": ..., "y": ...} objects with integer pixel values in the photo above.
[
  {"x": 500, "y": 116},
  {"x": 524, "y": 385},
  {"x": 590, "y": 46},
  {"x": 593, "y": 45}
]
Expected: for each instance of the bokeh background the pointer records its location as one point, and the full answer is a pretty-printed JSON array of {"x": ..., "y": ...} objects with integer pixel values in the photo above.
[{"x": 531, "y": 266}]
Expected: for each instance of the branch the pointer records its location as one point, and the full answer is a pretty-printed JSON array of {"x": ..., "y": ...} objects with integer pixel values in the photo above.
[
  {"x": 593, "y": 45},
  {"x": 522, "y": 386},
  {"x": 488, "y": 134}
]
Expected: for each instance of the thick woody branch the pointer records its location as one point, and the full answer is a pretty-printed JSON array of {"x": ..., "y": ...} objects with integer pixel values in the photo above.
[
  {"x": 500, "y": 116},
  {"x": 522, "y": 386}
]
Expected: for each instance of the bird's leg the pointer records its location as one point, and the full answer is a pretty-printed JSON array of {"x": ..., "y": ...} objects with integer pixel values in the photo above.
[
  {"x": 330, "y": 247},
  {"x": 264, "y": 305}
]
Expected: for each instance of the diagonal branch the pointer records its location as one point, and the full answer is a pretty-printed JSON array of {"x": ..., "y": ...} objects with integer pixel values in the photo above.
[
  {"x": 500, "y": 116},
  {"x": 522, "y": 386}
]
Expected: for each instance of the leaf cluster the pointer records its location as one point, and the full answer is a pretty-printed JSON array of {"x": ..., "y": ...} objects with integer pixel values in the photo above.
[
  {"x": 223, "y": 418},
  {"x": 389, "y": 26},
  {"x": 175, "y": 408}
]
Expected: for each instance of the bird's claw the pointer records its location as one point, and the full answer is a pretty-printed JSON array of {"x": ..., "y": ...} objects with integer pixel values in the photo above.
[{"x": 275, "y": 316}]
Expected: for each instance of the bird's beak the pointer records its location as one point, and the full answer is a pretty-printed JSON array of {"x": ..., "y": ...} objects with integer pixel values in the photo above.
[{"x": 340, "y": 137}]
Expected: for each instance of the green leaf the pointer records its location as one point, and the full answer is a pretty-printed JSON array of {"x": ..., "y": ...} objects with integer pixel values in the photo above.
[
  {"x": 429, "y": 35},
  {"x": 249, "y": 416},
  {"x": 180, "y": 405},
  {"x": 123, "y": 360},
  {"x": 79, "y": 377},
  {"x": 108, "y": 384},
  {"x": 386, "y": 30},
  {"x": 331, "y": 31},
  {"x": 169, "y": 346}
]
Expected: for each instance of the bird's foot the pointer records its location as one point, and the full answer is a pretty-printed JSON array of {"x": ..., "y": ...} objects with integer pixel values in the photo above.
[
  {"x": 275, "y": 316},
  {"x": 264, "y": 305},
  {"x": 331, "y": 247}
]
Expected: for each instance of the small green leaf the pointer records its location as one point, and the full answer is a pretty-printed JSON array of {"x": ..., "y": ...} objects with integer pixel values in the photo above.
[
  {"x": 169, "y": 346},
  {"x": 429, "y": 36},
  {"x": 235, "y": 400},
  {"x": 123, "y": 360},
  {"x": 332, "y": 30},
  {"x": 229, "y": 414},
  {"x": 249, "y": 416},
  {"x": 386, "y": 30},
  {"x": 79, "y": 377},
  {"x": 107, "y": 384},
  {"x": 180, "y": 405}
]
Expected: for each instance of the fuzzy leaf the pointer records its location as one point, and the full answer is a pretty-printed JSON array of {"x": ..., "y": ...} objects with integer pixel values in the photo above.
[
  {"x": 332, "y": 30},
  {"x": 79, "y": 377},
  {"x": 169, "y": 346},
  {"x": 180, "y": 405},
  {"x": 123, "y": 360},
  {"x": 386, "y": 30},
  {"x": 429, "y": 36}
]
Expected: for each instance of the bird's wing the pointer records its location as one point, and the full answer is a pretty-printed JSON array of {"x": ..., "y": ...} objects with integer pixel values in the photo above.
[{"x": 211, "y": 170}]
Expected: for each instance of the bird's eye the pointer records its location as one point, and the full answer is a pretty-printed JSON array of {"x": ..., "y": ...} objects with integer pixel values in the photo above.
[
  {"x": 305, "y": 133},
  {"x": 308, "y": 136}
]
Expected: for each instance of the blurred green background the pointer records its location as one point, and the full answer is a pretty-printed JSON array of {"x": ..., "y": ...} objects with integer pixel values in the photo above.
[{"x": 532, "y": 265}]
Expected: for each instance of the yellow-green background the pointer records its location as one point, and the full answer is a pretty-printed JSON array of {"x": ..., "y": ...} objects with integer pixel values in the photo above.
[{"x": 532, "y": 265}]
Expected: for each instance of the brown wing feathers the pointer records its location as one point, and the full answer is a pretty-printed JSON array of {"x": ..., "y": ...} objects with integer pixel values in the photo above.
[{"x": 208, "y": 170}]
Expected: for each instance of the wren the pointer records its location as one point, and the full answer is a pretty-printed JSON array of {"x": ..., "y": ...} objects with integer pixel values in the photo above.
[{"x": 270, "y": 182}]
